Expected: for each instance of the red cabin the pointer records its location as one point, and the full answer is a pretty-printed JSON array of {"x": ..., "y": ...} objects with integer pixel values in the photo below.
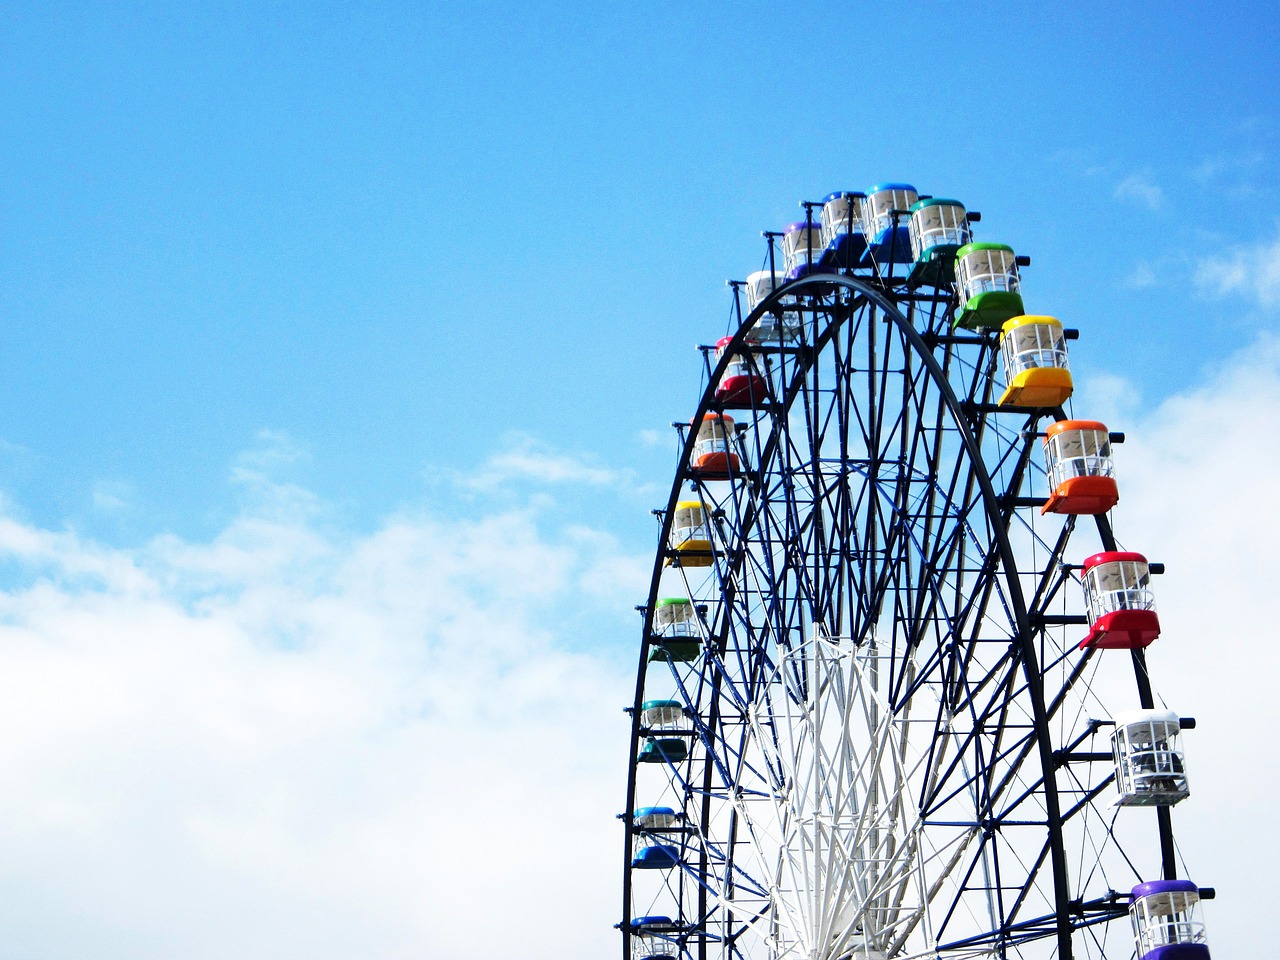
[
  {"x": 1122, "y": 609},
  {"x": 713, "y": 457},
  {"x": 1077, "y": 455},
  {"x": 741, "y": 387}
]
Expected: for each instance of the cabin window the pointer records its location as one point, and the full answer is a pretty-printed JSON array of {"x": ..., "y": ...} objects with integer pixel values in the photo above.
[
  {"x": 1078, "y": 453},
  {"x": 984, "y": 271},
  {"x": 939, "y": 223}
]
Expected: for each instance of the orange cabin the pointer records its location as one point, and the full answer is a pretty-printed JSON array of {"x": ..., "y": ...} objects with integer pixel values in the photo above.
[
  {"x": 1077, "y": 454},
  {"x": 713, "y": 454}
]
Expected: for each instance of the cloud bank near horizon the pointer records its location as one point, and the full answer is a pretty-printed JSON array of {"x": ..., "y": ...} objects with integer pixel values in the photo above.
[{"x": 287, "y": 742}]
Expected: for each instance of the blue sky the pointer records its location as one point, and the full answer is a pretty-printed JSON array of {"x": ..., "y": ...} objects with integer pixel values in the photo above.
[
  {"x": 399, "y": 234},
  {"x": 305, "y": 308}
]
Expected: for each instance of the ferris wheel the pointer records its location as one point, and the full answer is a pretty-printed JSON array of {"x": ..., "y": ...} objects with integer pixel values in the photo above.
[{"x": 893, "y": 697}]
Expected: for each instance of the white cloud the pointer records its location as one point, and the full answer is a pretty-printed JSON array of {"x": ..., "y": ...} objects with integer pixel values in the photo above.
[
  {"x": 257, "y": 473},
  {"x": 274, "y": 448},
  {"x": 1106, "y": 397},
  {"x": 1250, "y": 270},
  {"x": 653, "y": 438},
  {"x": 287, "y": 742},
  {"x": 524, "y": 458},
  {"x": 1232, "y": 168},
  {"x": 1138, "y": 188},
  {"x": 111, "y": 496}
]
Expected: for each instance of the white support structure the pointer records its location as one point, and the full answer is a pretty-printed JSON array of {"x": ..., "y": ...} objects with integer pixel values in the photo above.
[{"x": 848, "y": 881}]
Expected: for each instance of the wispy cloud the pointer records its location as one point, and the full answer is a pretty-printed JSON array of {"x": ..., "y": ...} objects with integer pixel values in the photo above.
[
  {"x": 1250, "y": 270},
  {"x": 1141, "y": 277},
  {"x": 528, "y": 460},
  {"x": 649, "y": 437},
  {"x": 111, "y": 496},
  {"x": 1110, "y": 398},
  {"x": 259, "y": 475},
  {"x": 1138, "y": 188},
  {"x": 1233, "y": 165},
  {"x": 271, "y": 450}
]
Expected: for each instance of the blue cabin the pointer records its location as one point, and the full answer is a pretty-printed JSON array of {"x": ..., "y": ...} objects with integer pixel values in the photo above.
[
  {"x": 654, "y": 818},
  {"x": 653, "y": 938},
  {"x": 843, "y": 239},
  {"x": 654, "y": 925},
  {"x": 884, "y": 220},
  {"x": 663, "y": 750},
  {"x": 656, "y": 856}
]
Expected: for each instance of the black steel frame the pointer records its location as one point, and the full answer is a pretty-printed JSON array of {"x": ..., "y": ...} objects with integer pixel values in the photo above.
[{"x": 879, "y": 485}]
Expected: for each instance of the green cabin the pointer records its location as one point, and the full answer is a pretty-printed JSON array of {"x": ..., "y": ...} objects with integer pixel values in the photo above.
[{"x": 988, "y": 286}]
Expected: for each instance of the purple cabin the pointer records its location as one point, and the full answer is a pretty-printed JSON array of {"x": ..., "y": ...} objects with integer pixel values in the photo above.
[{"x": 1166, "y": 925}]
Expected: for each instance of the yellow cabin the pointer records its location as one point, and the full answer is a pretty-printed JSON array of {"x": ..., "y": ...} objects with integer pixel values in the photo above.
[
  {"x": 690, "y": 537},
  {"x": 1035, "y": 363}
]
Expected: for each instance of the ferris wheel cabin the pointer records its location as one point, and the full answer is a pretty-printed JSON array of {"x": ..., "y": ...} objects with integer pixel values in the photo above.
[
  {"x": 741, "y": 387},
  {"x": 884, "y": 220},
  {"x": 689, "y": 536},
  {"x": 937, "y": 229},
  {"x": 713, "y": 457},
  {"x": 675, "y": 631},
  {"x": 801, "y": 248},
  {"x": 650, "y": 852},
  {"x": 663, "y": 750},
  {"x": 1166, "y": 922},
  {"x": 843, "y": 239},
  {"x": 759, "y": 285},
  {"x": 1121, "y": 607},
  {"x": 658, "y": 717},
  {"x": 654, "y": 818},
  {"x": 1077, "y": 456},
  {"x": 1034, "y": 350},
  {"x": 655, "y": 856},
  {"x": 1150, "y": 770},
  {"x": 988, "y": 284},
  {"x": 779, "y": 327},
  {"x": 653, "y": 938},
  {"x": 661, "y": 713}
]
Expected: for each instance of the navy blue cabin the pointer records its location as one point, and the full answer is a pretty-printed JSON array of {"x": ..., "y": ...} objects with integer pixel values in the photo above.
[
  {"x": 884, "y": 220},
  {"x": 656, "y": 856},
  {"x": 843, "y": 239}
]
